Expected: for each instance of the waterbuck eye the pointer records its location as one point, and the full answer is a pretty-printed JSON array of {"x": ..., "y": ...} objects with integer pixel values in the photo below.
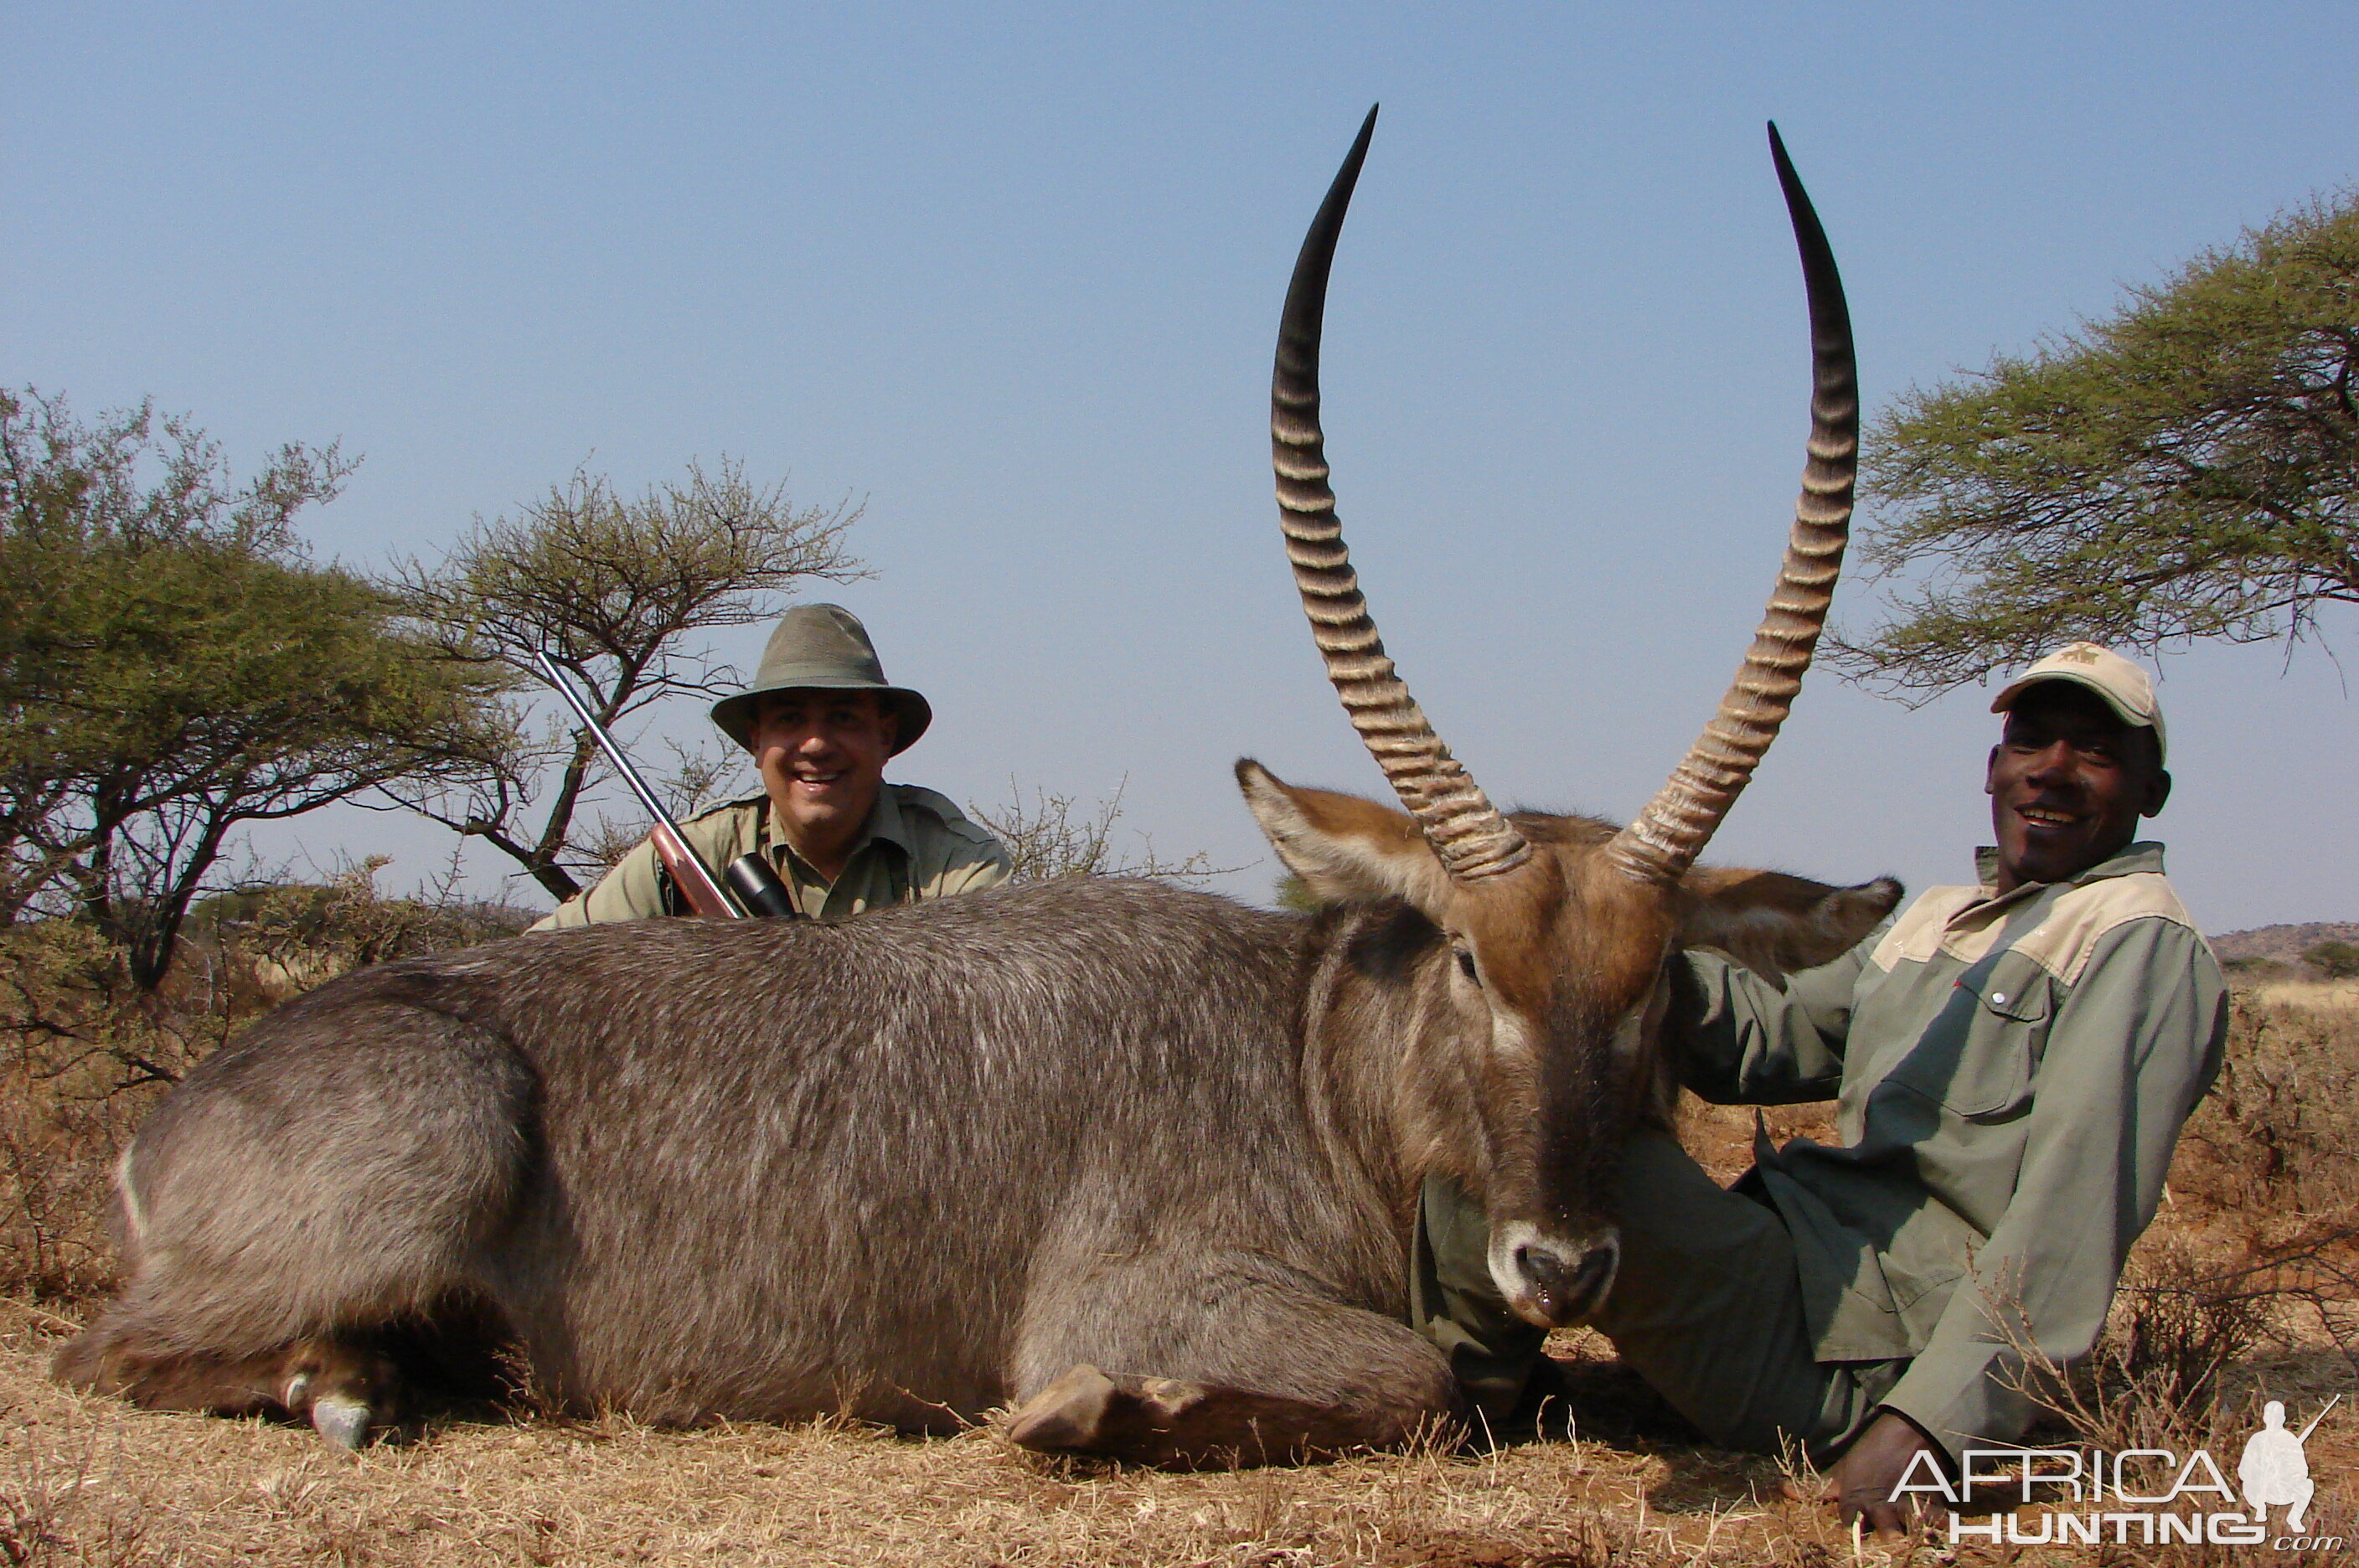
[{"x": 1466, "y": 965}]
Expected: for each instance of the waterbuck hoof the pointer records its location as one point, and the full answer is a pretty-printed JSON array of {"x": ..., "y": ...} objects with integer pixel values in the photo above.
[
  {"x": 342, "y": 1390},
  {"x": 343, "y": 1421},
  {"x": 1068, "y": 1414},
  {"x": 1085, "y": 1411}
]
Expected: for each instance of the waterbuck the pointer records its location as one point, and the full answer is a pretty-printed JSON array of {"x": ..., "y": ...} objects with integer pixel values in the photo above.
[{"x": 952, "y": 1157}]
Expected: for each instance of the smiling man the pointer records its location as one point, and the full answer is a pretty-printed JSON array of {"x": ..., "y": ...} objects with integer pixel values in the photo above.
[
  {"x": 820, "y": 721},
  {"x": 2012, "y": 1062}
]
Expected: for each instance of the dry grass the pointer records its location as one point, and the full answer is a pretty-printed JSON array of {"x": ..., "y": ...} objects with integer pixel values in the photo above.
[
  {"x": 89, "y": 1480},
  {"x": 2318, "y": 995},
  {"x": 2243, "y": 1292}
]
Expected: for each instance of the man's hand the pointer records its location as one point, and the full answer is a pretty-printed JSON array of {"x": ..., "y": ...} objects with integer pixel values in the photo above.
[{"x": 1862, "y": 1481}]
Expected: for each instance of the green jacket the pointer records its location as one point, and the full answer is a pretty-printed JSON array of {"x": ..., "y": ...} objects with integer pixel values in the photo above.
[
  {"x": 2012, "y": 1075},
  {"x": 915, "y": 845}
]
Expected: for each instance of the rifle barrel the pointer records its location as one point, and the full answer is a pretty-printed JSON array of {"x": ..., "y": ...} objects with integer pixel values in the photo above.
[
  {"x": 630, "y": 775},
  {"x": 704, "y": 893}
]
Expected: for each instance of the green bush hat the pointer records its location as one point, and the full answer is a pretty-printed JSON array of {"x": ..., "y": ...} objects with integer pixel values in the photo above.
[{"x": 822, "y": 647}]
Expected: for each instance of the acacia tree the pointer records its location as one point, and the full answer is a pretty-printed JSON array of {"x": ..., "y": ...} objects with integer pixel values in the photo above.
[
  {"x": 172, "y": 667},
  {"x": 615, "y": 592},
  {"x": 2186, "y": 468}
]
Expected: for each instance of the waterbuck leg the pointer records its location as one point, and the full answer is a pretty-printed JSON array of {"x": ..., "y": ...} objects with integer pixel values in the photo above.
[
  {"x": 290, "y": 1203},
  {"x": 1180, "y": 1425},
  {"x": 1217, "y": 1360},
  {"x": 342, "y": 1390}
]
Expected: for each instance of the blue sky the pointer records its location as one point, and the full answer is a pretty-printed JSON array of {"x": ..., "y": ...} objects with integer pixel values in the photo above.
[{"x": 1010, "y": 275}]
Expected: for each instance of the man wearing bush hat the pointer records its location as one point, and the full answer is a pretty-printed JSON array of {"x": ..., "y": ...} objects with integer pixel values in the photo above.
[
  {"x": 2012, "y": 1062},
  {"x": 820, "y": 721}
]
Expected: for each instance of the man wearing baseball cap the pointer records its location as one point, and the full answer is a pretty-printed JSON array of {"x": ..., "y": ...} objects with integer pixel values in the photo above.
[
  {"x": 2013, "y": 1060},
  {"x": 819, "y": 720}
]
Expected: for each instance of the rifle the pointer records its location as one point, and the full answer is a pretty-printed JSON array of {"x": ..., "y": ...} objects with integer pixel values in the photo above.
[{"x": 748, "y": 887}]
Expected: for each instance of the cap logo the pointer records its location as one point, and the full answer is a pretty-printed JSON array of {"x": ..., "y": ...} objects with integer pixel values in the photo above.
[{"x": 2079, "y": 653}]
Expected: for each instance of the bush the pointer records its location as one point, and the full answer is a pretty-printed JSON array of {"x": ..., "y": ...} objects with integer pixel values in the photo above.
[{"x": 2335, "y": 960}]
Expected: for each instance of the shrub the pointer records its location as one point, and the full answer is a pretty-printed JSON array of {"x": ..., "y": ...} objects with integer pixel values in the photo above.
[{"x": 2335, "y": 960}]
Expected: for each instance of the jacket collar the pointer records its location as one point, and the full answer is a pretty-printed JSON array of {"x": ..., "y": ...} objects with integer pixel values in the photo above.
[
  {"x": 886, "y": 824},
  {"x": 2145, "y": 855}
]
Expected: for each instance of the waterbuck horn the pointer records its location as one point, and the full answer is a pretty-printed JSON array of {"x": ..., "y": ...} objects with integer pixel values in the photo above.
[
  {"x": 1467, "y": 832},
  {"x": 1679, "y": 821}
]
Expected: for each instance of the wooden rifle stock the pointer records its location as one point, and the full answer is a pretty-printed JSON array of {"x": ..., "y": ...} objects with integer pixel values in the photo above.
[
  {"x": 747, "y": 886},
  {"x": 688, "y": 874}
]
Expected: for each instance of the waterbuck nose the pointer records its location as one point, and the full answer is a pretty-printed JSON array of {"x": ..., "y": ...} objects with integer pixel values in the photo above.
[{"x": 1563, "y": 1287}]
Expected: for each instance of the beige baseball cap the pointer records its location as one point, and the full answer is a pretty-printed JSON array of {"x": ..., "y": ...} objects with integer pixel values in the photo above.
[{"x": 2126, "y": 687}]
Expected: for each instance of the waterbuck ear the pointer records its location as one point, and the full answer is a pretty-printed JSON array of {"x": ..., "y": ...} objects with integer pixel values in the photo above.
[
  {"x": 1774, "y": 923},
  {"x": 1345, "y": 849}
]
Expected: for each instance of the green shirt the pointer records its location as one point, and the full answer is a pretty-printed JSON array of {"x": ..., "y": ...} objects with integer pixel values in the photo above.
[
  {"x": 915, "y": 845},
  {"x": 2012, "y": 1072}
]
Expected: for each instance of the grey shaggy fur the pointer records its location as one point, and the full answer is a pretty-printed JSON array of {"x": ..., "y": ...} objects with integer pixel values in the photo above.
[{"x": 914, "y": 1166}]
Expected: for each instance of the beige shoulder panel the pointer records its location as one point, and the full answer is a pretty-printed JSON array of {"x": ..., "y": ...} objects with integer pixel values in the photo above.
[
  {"x": 939, "y": 807},
  {"x": 2064, "y": 943},
  {"x": 759, "y": 798},
  {"x": 1917, "y": 933},
  {"x": 917, "y": 796},
  {"x": 723, "y": 832}
]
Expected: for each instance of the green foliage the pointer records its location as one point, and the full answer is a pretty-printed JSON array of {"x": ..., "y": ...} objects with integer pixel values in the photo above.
[
  {"x": 2335, "y": 960},
  {"x": 615, "y": 590},
  {"x": 2187, "y": 468},
  {"x": 171, "y": 667},
  {"x": 1293, "y": 893},
  {"x": 2257, "y": 971}
]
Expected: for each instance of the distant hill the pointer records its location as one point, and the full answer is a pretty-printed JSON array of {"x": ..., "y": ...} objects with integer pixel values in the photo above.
[{"x": 2281, "y": 945}]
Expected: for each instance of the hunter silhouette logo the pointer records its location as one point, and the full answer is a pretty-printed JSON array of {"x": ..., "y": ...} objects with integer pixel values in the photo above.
[
  {"x": 2275, "y": 1472},
  {"x": 2140, "y": 1496}
]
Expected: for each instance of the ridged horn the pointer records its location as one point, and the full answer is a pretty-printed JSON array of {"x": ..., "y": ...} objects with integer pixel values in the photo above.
[
  {"x": 1681, "y": 818},
  {"x": 1467, "y": 832}
]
